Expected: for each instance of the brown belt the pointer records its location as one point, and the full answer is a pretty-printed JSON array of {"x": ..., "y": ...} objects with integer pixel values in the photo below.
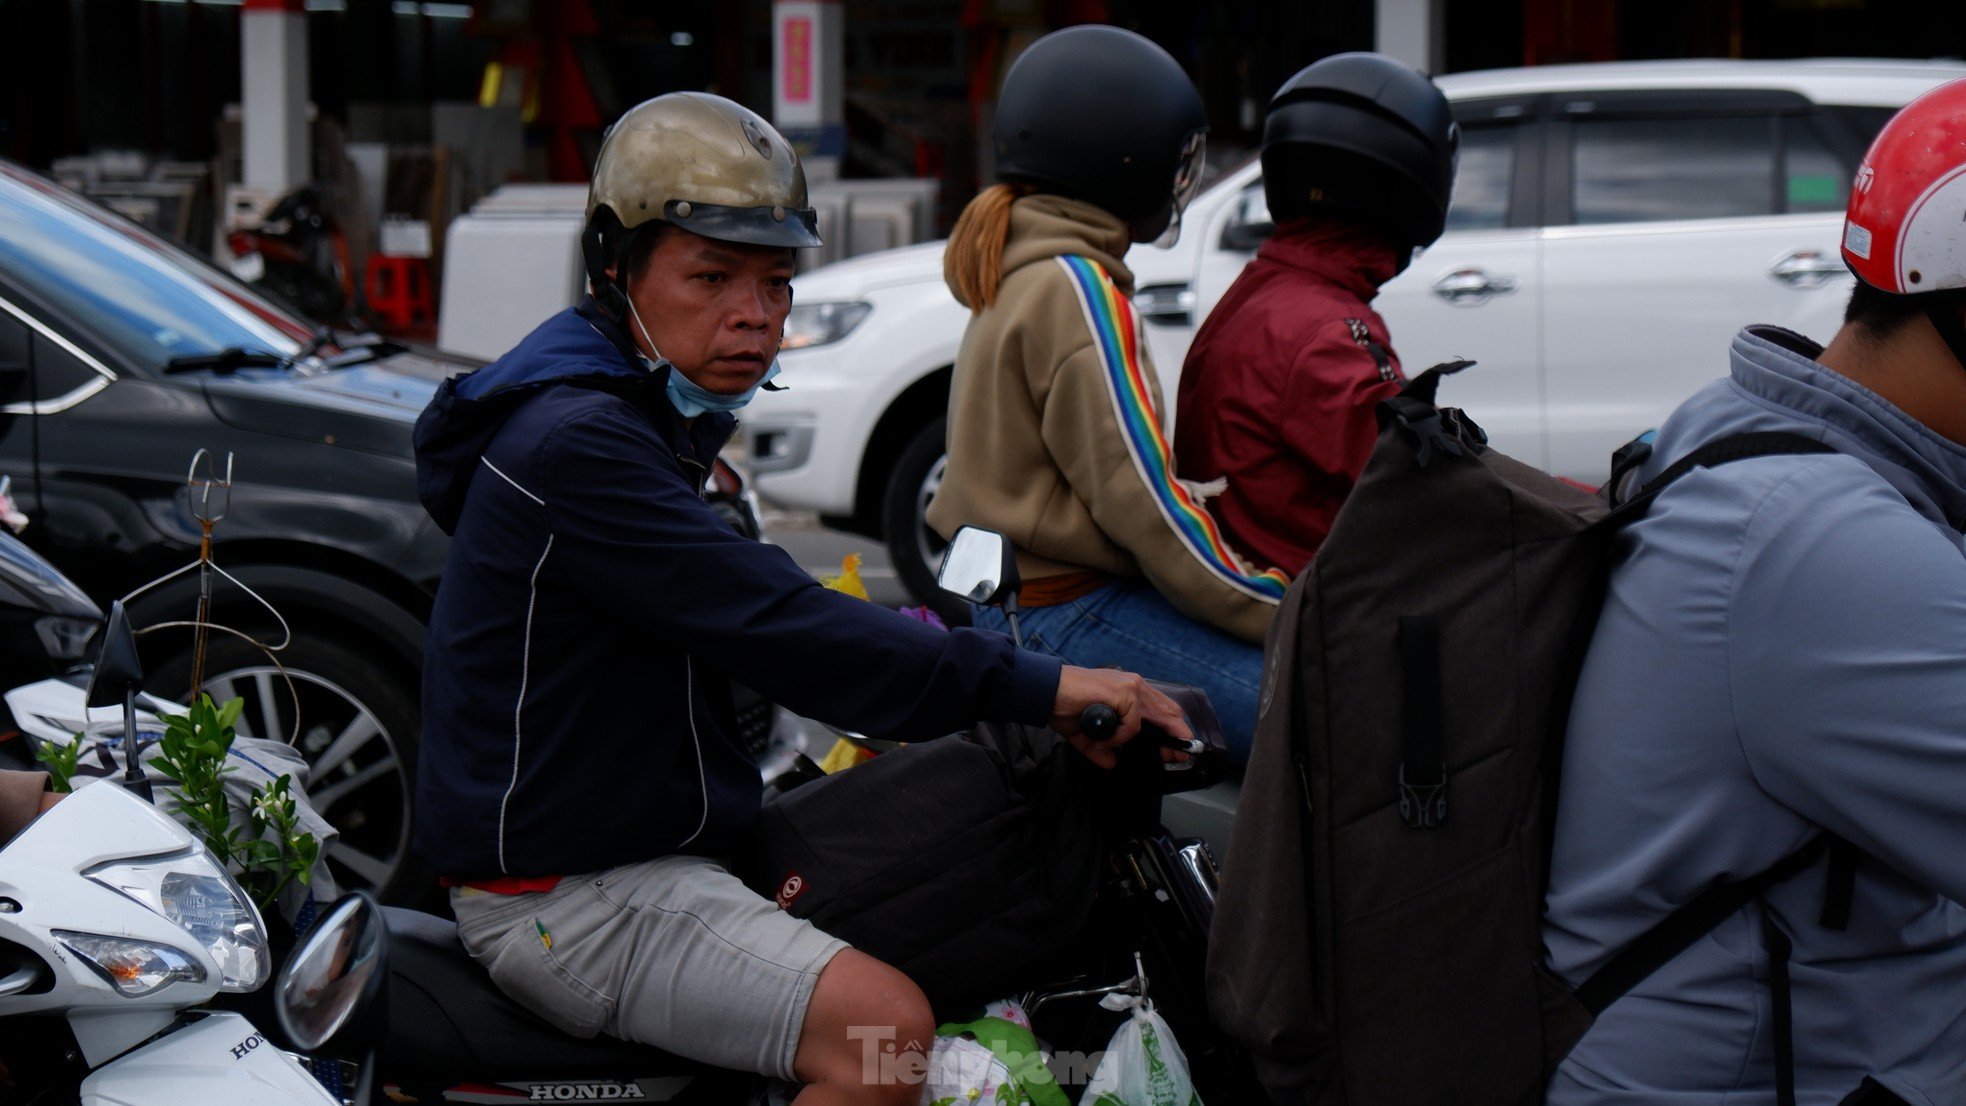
[{"x": 1051, "y": 591}]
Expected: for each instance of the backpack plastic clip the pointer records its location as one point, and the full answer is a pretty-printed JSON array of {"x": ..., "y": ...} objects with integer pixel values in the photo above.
[
  {"x": 1423, "y": 806},
  {"x": 1430, "y": 434}
]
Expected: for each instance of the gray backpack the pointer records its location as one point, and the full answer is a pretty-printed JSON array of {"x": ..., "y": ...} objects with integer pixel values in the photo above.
[{"x": 1378, "y": 934}]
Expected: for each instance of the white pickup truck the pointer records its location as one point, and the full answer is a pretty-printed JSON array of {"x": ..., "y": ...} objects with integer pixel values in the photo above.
[{"x": 1612, "y": 227}]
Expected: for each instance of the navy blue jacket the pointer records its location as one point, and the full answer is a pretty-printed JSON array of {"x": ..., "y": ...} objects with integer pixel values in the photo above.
[{"x": 594, "y": 608}]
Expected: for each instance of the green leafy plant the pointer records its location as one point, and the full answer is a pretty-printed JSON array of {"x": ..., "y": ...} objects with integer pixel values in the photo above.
[
  {"x": 60, "y": 762},
  {"x": 270, "y": 851}
]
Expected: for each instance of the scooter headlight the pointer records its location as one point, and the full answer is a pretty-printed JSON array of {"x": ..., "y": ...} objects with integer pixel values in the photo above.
[
  {"x": 193, "y": 892},
  {"x": 134, "y": 968}
]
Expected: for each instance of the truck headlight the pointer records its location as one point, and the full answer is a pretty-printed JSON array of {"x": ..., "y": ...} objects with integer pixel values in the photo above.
[
  {"x": 820, "y": 324},
  {"x": 193, "y": 892}
]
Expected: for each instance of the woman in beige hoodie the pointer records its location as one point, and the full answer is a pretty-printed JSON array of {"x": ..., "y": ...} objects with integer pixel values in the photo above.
[{"x": 1056, "y": 438}]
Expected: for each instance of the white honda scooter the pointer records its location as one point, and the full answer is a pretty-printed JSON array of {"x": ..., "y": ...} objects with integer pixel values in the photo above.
[
  {"x": 115, "y": 919},
  {"x": 116, "y": 924}
]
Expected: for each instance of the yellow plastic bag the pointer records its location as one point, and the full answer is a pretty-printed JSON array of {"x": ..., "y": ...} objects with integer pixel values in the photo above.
[
  {"x": 848, "y": 582},
  {"x": 845, "y": 754}
]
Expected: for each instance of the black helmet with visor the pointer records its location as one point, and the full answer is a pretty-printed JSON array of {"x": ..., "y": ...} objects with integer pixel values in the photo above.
[{"x": 1104, "y": 115}]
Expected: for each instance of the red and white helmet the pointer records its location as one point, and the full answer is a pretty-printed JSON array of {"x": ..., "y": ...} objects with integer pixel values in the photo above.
[{"x": 1905, "y": 232}]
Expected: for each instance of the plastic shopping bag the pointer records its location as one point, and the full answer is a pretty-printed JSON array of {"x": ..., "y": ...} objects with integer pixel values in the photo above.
[
  {"x": 1143, "y": 1065},
  {"x": 848, "y": 581},
  {"x": 991, "y": 1061}
]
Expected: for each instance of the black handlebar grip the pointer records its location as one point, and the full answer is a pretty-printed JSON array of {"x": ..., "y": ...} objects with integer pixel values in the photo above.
[{"x": 1099, "y": 722}]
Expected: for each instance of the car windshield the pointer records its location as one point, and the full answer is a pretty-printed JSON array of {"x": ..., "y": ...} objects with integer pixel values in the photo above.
[{"x": 134, "y": 291}]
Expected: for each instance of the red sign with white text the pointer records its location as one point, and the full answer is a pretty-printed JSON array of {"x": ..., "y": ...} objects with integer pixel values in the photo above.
[{"x": 798, "y": 60}]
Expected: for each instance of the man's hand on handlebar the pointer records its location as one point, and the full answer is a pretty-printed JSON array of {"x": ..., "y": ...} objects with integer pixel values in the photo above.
[{"x": 1131, "y": 698}]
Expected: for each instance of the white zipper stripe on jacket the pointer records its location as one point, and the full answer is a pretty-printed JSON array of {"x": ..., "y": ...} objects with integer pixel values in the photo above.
[
  {"x": 519, "y": 708},
  {"x": 702, "y": 778},
  {"x": 509, "y": 480}
]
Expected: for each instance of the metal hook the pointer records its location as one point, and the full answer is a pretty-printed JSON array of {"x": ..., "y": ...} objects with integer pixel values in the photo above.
[
  {"x": 201, "y": 481},
  {"x": 201, "y": 490},
  {"x": 1137, "y": 987},
  {"x": 270, "y": 651},
  {"x": 286, "y": 631}
]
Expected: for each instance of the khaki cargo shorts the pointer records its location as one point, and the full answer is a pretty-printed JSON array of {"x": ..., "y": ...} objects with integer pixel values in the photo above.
[{"x": 674, "y": 953}]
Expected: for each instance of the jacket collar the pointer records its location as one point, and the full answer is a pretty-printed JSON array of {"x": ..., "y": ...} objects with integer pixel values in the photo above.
[
  {"x": 576, "y": 348},
  {"x": 1349, "y": 256},
  {"x": 703, "y": 437},
  {"x": 1779, "y": 367},
  {"x": 1044, "y": 226}
]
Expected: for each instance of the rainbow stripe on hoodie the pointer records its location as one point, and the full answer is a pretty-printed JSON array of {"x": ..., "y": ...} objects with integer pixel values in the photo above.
[{"x": 1116, "y": 336}]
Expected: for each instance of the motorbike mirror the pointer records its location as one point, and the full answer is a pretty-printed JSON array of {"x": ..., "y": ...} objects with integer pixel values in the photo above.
[
  {"x": 979, "y": 566},
  {"x": 118, "y": 672},
  {"x": 329, "y": 999}
]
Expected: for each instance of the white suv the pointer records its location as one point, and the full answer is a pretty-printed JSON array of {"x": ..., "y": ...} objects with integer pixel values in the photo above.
[{"x": 1612, "y": 227}]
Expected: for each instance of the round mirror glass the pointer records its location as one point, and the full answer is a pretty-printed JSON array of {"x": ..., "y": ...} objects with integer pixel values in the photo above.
[{"x": 327, "y": 976}]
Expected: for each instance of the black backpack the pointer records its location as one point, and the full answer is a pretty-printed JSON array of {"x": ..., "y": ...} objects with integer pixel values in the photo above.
[{"x": 1378, "y": 935}]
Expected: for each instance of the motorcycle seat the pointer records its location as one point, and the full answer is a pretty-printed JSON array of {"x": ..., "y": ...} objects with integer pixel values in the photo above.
[{"x": 449, "y": 1022}]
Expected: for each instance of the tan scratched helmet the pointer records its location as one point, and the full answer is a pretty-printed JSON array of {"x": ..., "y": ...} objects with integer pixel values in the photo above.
[{"x": 699, "y": 162}]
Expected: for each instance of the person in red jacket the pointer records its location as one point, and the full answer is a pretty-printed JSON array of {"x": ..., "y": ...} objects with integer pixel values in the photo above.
[{"x": 1278, "y": 391}]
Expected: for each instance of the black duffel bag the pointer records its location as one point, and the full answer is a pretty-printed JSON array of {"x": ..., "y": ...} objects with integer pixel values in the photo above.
[{"x": 970, "y": 863}]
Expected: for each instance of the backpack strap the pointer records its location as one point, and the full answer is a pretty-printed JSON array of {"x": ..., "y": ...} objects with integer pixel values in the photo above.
[
  {"x": 1626, "y": 459},
  {"x": 1421, "y": 391},
  {"x": 1679, "y": 930},
  {"x": 1423, "y": 756},
  {"x": 1734, "y": 447},
  {"x": 1782, "y": 1010},
  {"x": 1413, "y": 410},
  {"x": 1840, "y": 884},
  {"x": 1872, "y": 1093}
]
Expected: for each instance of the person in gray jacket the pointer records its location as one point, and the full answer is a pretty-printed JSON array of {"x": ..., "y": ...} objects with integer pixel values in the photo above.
[{"x": 1782, "y": 653}]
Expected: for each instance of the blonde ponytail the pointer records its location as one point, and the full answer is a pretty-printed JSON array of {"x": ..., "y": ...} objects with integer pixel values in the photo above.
[{"x": 973, "y": 261}]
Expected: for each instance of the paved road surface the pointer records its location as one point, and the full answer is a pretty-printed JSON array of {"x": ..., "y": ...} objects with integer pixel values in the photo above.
[{"x": 820, "y": 551}]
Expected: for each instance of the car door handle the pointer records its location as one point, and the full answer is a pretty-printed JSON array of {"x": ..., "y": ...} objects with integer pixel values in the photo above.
[
  {"x": 1472, "y": 287},
  {"x": 1807, "y": 269}
]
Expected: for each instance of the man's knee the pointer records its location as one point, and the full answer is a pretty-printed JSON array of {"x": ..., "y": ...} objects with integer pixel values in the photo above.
[{"x": 868, "y": 1026}]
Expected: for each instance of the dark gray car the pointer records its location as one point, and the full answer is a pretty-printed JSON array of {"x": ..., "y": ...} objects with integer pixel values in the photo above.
[{"x": 121, "y": 356}]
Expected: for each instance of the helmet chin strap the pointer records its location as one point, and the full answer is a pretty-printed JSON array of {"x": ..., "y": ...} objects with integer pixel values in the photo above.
[
  {"x": 1945, "y": 320},
  {"x": 655, "y": 354},
  {"x": 610, "y": 293}
]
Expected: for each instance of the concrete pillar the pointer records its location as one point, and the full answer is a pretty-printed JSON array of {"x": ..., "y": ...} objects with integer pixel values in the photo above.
[
  {"x": 1412, "y": 31},
  {"x": 808, "y": 80},
  {"x": 273, "y": 94}
]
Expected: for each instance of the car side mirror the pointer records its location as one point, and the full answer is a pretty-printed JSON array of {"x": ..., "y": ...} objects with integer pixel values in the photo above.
[
  {"x": 331, "y": 998},
  {"x": 1246, "y": 237},
  {"x": 118, "y": 671},
  {"x": 1250, "y": 225},
  {"x": 979, "y": 566}
]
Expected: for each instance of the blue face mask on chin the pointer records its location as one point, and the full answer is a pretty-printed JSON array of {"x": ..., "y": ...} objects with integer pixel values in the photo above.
[
  {"x": 692, "y": 399},
  {"x": 689, "y": 398}
]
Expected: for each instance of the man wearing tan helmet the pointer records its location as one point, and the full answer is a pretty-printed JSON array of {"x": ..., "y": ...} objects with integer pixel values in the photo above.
[{"x": 578, "y": 779}]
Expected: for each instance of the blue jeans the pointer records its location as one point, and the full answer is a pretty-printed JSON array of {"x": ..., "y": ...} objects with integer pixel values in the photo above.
[{"x": 1128, "y": 625}]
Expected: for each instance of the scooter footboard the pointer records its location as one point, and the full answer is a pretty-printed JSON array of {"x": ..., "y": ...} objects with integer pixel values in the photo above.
[{"x": 217, "y": 1058}]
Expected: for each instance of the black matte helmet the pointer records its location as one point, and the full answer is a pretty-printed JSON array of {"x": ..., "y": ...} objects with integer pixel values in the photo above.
[
  {"x": 1364, "y": 137},
  {"x": 1103, "y": 115}
]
